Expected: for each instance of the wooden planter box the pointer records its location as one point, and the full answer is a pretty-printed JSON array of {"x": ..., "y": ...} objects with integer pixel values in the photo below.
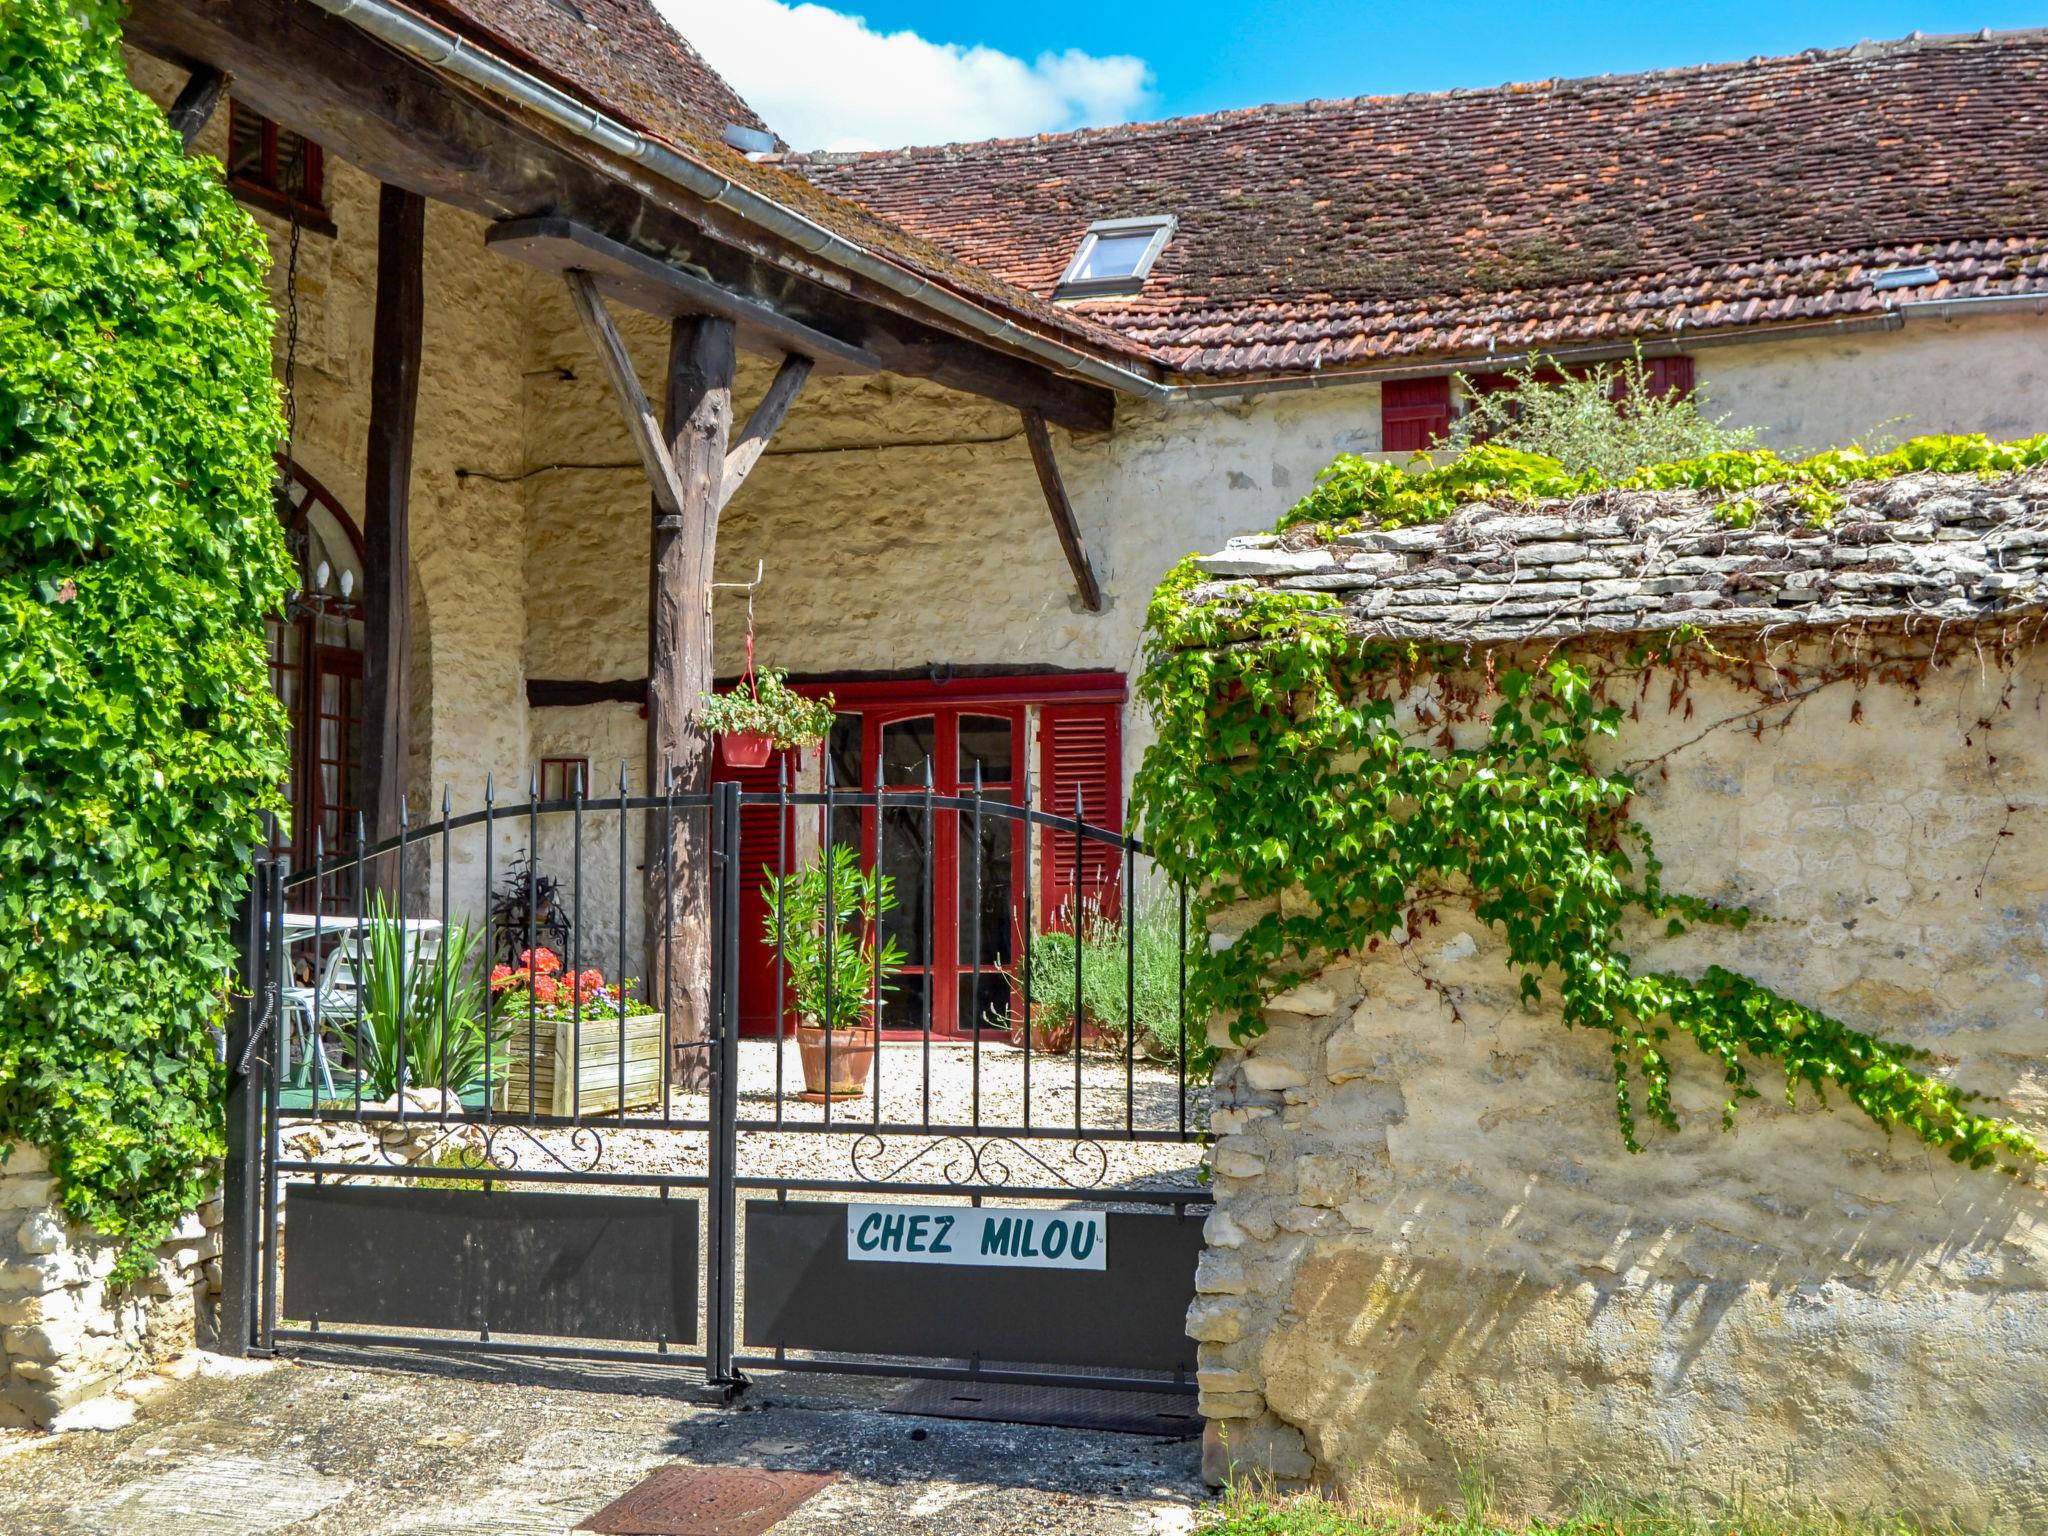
[{"x": 555, "y": 1067}]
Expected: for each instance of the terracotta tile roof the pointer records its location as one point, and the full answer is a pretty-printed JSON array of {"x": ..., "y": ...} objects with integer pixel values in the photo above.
[
  {"x": 618, "y": 53},
  {"x": 1577, "y": 211},
  {"x": 623, "y": 57}
]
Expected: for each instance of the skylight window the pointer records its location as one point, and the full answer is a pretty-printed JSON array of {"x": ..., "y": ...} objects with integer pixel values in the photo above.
[{"x": 1115, "y": 257}]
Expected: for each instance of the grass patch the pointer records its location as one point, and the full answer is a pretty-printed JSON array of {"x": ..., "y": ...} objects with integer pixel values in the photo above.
[{"x": 1245, "y": 1512}]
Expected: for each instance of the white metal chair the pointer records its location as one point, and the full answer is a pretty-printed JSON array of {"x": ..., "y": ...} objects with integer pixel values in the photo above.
[{"x": 334, "y": 994}]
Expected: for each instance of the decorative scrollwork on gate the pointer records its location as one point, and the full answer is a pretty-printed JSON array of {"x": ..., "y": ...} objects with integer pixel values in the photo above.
[
  {"x": 487, "y": 1145},
  {"x": 994, "y": 1162}
]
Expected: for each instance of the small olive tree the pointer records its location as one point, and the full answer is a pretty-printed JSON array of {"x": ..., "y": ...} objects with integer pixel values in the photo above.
[
  {"x": 139, "y": 551},
  {"x": 1608, "y": 420}
]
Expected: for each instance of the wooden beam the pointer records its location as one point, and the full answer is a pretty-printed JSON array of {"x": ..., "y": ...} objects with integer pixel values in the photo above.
[
  {"x": 665, "y": 288},
  {"x": 195, "y": 103},
  {"x": 566, "y": 692},
  {"x": 697, "y": 415},
  {"x": 617, "y": 363},
  {"x": 387, "y": 483},
  {"x": 761, "y": 424},
  {"x": 405, "y": 124},
  {"x": 1062, "y": 510}
]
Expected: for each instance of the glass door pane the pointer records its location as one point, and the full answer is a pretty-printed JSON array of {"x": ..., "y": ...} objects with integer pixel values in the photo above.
[
  {"x": 985, "y": 873},
  {"x": 909, "y": 863}
]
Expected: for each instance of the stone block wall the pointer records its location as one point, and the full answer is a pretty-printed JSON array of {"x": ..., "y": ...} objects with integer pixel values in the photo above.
[
  {"x": 64, "y": 1338},
  {"x": 1432, "y": 1256}
]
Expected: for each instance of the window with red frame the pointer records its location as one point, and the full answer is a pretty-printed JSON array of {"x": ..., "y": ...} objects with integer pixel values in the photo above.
[
  {"x": 560, "y": 777},
  {"x": 273, "y": 166}
]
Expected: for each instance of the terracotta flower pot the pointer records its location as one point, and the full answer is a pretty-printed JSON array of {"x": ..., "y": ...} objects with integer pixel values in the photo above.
[
  {"x": 1054, "y": 1037},
  {"x": 746, "y": 749},
  {"x": 853, "y": 1059}
]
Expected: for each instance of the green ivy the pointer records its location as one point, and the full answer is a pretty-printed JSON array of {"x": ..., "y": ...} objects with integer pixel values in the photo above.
[
  {"x": 139, "y": 740},
  {"x": 1355, "y": 491},
  {"x": 1280, "y": 775}
]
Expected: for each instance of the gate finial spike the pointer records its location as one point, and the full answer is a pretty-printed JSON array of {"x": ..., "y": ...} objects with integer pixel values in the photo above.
[
  {"x": 622, "y": 778},
  {"x": 490, "y": 790},
  {"x": 782, "y": 771},
  {"x": 447, "y": 801},
  {"x": 927, "y": 770},
  {"x": 317, "y": 847},
  {"x": 977, "y": 778},
  {"x": 359, "y": 828},
  {"x": 404, "y": 812},
  {"x": 831, "y": 778},
  {"x": 533, "y": 783},
  {"x": 1077, "y": 805}
]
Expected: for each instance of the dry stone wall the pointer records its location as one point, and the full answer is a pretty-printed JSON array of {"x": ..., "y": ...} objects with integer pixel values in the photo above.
[
  {"x": 1431, "y": 1253},
  {"x": 65, "y": 1340}
]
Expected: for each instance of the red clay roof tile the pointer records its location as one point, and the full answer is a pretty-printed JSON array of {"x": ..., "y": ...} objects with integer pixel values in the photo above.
[{"x": 1332, "y": 234}]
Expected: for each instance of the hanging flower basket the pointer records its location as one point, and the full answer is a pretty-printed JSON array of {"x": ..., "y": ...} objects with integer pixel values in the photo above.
[
  {"x": 746, "y": 749},
  {"x": 761, "y": 717}
]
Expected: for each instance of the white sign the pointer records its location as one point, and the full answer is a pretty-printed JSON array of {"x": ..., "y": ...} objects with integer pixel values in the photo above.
[{"x": 958, "y": 1234}]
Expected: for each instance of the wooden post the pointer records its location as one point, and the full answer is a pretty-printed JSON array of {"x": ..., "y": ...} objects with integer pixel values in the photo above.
[
  {"x": 697, "y": 421},
  {"x": 387, "y": 599}
]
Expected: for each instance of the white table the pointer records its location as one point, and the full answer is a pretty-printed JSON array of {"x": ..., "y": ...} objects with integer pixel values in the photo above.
[{"x": 300, "y": 926}]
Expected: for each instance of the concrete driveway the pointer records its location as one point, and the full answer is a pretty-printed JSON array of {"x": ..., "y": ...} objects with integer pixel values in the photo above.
[{"x": 504, "y": 1449}]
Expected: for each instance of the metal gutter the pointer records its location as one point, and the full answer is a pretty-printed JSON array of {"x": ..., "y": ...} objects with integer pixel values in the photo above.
[{"x": 443, "y": 50}]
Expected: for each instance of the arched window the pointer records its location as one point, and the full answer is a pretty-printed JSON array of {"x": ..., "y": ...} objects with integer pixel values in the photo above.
[{"x": 316, "y": 668}]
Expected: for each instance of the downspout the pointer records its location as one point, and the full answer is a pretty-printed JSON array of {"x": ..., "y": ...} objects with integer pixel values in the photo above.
[{"x": 442, "y": 50}]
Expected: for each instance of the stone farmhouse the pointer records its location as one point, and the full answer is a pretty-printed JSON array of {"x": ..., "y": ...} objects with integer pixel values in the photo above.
[
  {"x": 995, "y": 389},
  {"x": 597, "y": 395},
  {"x": 1045, "y": 368}
]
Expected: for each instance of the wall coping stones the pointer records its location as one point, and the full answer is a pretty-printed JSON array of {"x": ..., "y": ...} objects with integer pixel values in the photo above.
[{"x": 1945, "y": 548}]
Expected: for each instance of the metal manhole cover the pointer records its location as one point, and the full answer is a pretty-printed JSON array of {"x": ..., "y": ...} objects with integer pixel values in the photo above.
[
  {"x": 707, "y": 1501},
  {"x": 1170, "y": 1415}
]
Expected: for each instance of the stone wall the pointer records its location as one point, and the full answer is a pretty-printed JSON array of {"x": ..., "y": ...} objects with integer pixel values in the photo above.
[
  {"x": 1431, "y": 1253},
  {"x": 65, "y": 1341}
]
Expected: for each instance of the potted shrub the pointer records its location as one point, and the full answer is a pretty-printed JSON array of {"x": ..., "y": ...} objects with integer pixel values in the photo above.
[
  {"x": 835, "y": 977},
  {"x": 763, "y": 716}
]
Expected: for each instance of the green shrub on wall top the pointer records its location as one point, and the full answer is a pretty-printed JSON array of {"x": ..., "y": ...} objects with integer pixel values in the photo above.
[{"x": 139, "y": 740}]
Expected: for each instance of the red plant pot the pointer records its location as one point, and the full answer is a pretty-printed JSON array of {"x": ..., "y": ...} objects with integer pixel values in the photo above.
[{"x": 746, "y": 749}]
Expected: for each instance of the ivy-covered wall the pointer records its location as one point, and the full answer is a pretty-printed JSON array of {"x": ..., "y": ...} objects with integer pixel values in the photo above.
[
  {"x": 1629, "y": 918},
  {"x": 1432, "y": 1252}
]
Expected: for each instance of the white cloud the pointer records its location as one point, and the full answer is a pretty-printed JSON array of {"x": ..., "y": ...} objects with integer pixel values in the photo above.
[{"x": 827, "y": 80}]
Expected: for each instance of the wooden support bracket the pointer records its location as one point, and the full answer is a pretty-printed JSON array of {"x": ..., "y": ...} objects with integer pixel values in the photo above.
[
  {"x": 762, "y": 422},
  {"x": 641, "y": 422},
  {"x": 195, "y": 103},
  {"x": 1063, "y": 523}
]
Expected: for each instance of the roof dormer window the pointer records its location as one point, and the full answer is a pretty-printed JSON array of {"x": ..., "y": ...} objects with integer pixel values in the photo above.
[{"x": 1115, "y": 257}]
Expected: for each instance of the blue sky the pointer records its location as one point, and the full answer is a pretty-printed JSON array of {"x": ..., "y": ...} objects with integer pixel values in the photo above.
[
  {"x": 881, "y": 73},
  {"x": 1207, "y": 54}
]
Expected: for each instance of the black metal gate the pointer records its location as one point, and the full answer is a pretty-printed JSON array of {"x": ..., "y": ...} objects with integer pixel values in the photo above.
[{"x": 1010, "y": 1194}]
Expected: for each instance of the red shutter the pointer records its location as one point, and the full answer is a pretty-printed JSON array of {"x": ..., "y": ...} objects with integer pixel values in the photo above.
[
  {"x": 1080, "y": 750},
  {"x": 1669, "y": 376},
  {"x": 1414, "y": 414}
]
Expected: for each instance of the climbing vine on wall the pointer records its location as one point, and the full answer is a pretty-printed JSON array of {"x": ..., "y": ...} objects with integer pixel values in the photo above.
[
  {"x": 1283, "y": 776},
  {"x": 139, "y": 740}
]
